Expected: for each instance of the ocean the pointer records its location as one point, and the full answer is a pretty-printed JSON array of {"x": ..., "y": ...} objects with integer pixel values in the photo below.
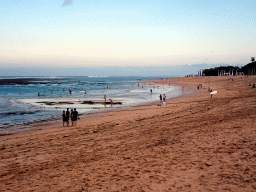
[{"x": 27, "y": 99}]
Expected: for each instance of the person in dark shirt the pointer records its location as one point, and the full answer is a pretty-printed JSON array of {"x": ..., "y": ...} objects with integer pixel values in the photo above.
[
  {"x": 71, "y": 116},
  {"x": 74, "y": 117},
  {"x": 64, "y": 118},
  {"x": 67, "y": 116}
]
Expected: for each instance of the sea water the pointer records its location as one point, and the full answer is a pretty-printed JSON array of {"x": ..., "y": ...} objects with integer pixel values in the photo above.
[{"x": 24, "y": 102}]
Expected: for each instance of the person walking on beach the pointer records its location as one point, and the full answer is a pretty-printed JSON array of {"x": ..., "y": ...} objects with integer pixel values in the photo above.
[
  {"x": 164, "y": 97},
  {"x": 67, "y": 116},
  {"x": 160, "y": 97},
  {"x": 74, "y": 116},
  {"x": 105, "y": 97}
]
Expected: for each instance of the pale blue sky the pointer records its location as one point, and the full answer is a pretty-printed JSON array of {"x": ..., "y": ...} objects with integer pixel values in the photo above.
[{"x": 91, "y": 33}]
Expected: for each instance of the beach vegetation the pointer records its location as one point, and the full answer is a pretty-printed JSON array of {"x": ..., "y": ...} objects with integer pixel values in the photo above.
[
  {"x": 217, "y": 70},
  {"x": 248, "y": 69}
]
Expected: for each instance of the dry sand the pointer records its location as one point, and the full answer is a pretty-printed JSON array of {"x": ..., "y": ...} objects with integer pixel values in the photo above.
[{"x": 194, "y": 143}]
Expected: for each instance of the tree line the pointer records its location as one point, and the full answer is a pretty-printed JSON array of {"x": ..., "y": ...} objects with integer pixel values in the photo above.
[{"x": 249, "y": 69}]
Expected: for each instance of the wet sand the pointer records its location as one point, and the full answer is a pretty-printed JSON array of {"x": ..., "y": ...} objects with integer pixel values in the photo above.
[{"x": 194, "y": 143}]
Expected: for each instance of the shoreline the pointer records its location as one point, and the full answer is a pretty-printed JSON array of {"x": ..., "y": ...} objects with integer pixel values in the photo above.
[
  {"x": 12, "y": 128},
  {"x": 194, "y": 143},
  {"x": 122, "y": 87}
]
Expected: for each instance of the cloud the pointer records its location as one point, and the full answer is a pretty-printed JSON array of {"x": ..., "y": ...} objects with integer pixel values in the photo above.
[{"x": 67, "y": 2}]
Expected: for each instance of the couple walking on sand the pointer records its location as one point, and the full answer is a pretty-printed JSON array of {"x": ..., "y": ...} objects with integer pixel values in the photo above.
[
  {"x": 162, "y": 98},
  {"x": 73, "y": 116}
]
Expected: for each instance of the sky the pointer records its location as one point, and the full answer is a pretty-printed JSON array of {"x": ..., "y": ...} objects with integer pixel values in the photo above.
[{"x": 125, "y": 33}]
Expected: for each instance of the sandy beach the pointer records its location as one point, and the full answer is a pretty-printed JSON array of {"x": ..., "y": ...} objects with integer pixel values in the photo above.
[{"x": 194, "y": 143}]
